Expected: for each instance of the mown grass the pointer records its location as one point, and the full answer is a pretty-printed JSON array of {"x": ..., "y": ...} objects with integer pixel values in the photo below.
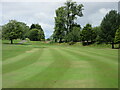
[{"x": 44, "y": 65}]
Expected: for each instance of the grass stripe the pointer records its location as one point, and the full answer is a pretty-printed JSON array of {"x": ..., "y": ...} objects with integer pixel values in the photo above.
[
  {"x": 103, "y": 72},
  {"x": 27, "y": 72},
  {"x": 19, "y": 57},
  {"x": 91, "y": 56},
  {"x": 22, "y": 63},
  {"x": 51, "y": 74}
]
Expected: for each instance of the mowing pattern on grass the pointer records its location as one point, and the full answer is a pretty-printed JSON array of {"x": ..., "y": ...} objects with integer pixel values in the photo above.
[{"x": 36, "y": 66}]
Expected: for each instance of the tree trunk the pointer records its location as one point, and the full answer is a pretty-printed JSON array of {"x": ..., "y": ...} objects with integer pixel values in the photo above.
[
  {"x": 112, "y": 45},
  {"x": 11, "y": 41},
  {"x": 55, "y": 40},
  {"x": 60, "y": 41},
  {"x": 119, "y": 46},
  {"x": 87, "y": 42}
]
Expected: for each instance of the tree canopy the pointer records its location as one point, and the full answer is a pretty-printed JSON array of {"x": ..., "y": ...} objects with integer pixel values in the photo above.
[
  {"x": 13, "y": 30},
  {"x": 109, "y": 25},
  {"x": 35, "y": 28},
  {"x": 117, "y": 36},
  {"x": 65, "y": 20}
]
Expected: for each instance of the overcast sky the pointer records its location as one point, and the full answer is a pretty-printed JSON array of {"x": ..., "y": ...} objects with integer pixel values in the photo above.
[{"x": 43, "y": 13}]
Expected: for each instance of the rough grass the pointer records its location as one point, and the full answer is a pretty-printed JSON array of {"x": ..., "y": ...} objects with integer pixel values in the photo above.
[{"x": 40, "y": 65}]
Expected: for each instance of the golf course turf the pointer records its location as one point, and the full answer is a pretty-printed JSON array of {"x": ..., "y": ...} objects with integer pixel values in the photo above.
[{"x": 37, "y": 65}]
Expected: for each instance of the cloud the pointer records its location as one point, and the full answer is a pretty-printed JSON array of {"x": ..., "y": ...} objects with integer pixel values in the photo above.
[
  {"x": 94, "y": 12},
  {"x": 104, "y": 10}
]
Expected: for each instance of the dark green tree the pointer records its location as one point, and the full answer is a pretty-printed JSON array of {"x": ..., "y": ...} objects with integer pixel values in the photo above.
[
  {"x": 34, "y": 35},
  {"x": 97, "y": 31},
  {"x": 38, "y": 27},
  {"x": 32, "y": 26},
  {"x": 60, "y": 29},
  {"x": 109, "y": 25},
  {"x": 74, "y": 35},
  {"x": 13, "y": 30},
  {"x": 25, "y": 30},
  {"x": 88, "y": 34},
  {"x": 72, "y": 12},
  {"x": 65, "y": 20},
  {"x": 117, "y": 36}
]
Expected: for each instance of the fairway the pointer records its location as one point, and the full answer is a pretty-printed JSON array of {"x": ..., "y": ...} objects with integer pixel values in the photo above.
[{"x": 37, "y": 65}]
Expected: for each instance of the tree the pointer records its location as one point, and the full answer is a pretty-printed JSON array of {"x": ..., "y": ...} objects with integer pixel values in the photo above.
[
  {"x": 34, "y": 35},
  {"x": 97, "y": 31},
  {"x": 65, "y": 20},
  {"x": 25, "y": 30},
  {"x": 109, "y": 25},
  {"x": 72, "y": 11},
  {"x": 32, "y": 26},
  {"x": 41, "y": 32},
  {"x": 12, "y": 30},
  {"x": 74, "y": 35},
  {"x": 59, "y": 32},
  {"x": 117, "y": 36},
  {"x": 88, "y": 34},
  {"x": 37, "y": 26}
]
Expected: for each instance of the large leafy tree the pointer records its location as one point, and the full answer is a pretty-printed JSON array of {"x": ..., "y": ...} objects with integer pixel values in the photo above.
[
  {"x": 117, "y": 36},
  {"x": 109, "y": 25},
  {"x": 97, "y": 31},
  {"x": 25, "y": 30},
  {"x": 88, "y": 34},
  {"x": 72, "y": 12},
  {"x": 13, "y": 30},
  {"x": 65, "y": 19},
  {"x": 59, "y": 32},
  {"x": 34, "y": 35},
  {"x": 41, "y": 32},
  {"x": 74, "y": 35}
]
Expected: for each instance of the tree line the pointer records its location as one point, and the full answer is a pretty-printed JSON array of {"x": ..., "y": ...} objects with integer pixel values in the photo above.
[
  {"x": 19, "y": 30},
  {"x": 67, "y": 30}
]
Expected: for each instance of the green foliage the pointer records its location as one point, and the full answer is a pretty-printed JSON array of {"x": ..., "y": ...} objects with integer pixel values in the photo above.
[
  {"x": 41, "y": 36},
  {"x": 25, "y": 29},
  {"x": 97, "y": 31},
  {"x": 109, "y": 25},
  {"x": 59, "y": 24},
  {"x": 35, "y": 35},
  {"x": 13, "y": 30},
  {"x": 65, "y": 22},
  {"x": 74, "y": 35},
  {"x": 88, "y": 34},
  {"x": 117, "y": 36}
]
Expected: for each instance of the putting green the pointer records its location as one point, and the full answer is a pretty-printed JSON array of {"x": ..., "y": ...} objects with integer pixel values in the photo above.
[{"x": 59, "y": 66}]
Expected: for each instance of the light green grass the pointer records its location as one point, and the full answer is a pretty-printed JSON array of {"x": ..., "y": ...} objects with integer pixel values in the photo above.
[{"x": 40, "y": 65}]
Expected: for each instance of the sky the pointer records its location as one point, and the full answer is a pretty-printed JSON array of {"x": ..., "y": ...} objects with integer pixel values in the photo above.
[{"x": 43, "y": 13}]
